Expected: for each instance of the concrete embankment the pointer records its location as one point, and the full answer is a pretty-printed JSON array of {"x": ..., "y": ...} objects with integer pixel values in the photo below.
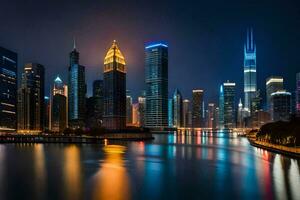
[
  {"x": 74, "y": 139},
  {"x": 293, "y": 152}
]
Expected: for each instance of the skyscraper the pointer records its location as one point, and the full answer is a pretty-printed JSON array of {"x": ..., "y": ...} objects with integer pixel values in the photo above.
[
  {"x": 298, "y": 94},
  {"x": 249, "y": 70},
  {"x": 221, "y": 108},
  {"x": 59, "y": 106},
  {"x": 98, "y": 97},
  {"x": 229, "y": 104},
  {"x": 197, "y": 108},
  {"x": 128, "y": 108},
  {"x": 8, "y": 90},
  {"x": 177, "y": 109},
  {"x": 240, "y": 116},
  {"x": 211, "y": 115},
  {"x": 76, "y": 91},
  {"x": 156, "y": 71},
  {"x": 114, "y": 116},
  {"x": 31, "y": 99},
  {"x": 273, "y": 84},
  {"x": 281, "y": 103},
  {"x": 185, "y": 113},
  {"x": 170, "y": 113}
]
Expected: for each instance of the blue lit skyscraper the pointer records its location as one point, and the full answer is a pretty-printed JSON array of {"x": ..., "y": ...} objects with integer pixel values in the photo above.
[
  {"x": 76, "y": 91},
  {"x": 156, "y": 71},
  {"x": 177, "y": 109},
  {"x": 8, "y": 90},
  {"x": 249, "y": 69},
  {"x": 221, "y": 108}
]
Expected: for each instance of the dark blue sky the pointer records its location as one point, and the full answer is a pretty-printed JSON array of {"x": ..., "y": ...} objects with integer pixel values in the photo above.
[{"x": 205, "y": 38}]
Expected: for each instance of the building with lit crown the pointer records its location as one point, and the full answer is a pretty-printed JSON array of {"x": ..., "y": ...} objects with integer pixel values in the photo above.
[
  {"x": 250, "y": 83},
  {"x": 31, "y": 99},
  {"x": 229, "y": 105},
  {"x": 8, "y": 90},
  {"x": 281, "y": 103},
  {"x": 156, "y": 79},
  {"x": 273, "y": 84},
  {"x": 197, "y": 108},
  {"x": 114, "y": 82}
]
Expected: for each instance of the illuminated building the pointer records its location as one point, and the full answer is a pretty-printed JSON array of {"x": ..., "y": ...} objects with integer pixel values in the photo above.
[
  {"x": 185, "y": 113},
  {"x": 31, "y": 99},
  {"x": 59, "y": 106},
  {"x": 114, "y": 116},
  {"x": 142, "y": 109},
  {"x": 177, "y": 109},
  {"x": 281, "y": 105},
  {"x": 211, "y": 116},
  {"x": 8, "y": 90},
  {"x": 273, "y": 84},
  {"x": 128, "y": 108},
  {"x": 47, "y": 113},
  {"x": 156, "y": 71},
  {"x": 197, "y": 108},
  {"x": 249, "y": 70},
  {"x": 240, "y": 116},
  {"x": 135, "y": 115},
  {"x": 76, "y": 91},
  {"x": 256, "y": 103},
  {"x": 298, "y": 94},
  {"x": 170, "y": 113},
  {"x": 221, "y": 108},
  {"x": 229, "y": 104}
]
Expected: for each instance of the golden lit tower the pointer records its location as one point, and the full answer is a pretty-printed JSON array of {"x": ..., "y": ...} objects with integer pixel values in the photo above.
[{"x": 114, "y": 81}]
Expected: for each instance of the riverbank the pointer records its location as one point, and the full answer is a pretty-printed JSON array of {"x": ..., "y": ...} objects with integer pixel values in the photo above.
[
  {"x": 15, "y": 138},
  {"x": 293, "y": 152}
]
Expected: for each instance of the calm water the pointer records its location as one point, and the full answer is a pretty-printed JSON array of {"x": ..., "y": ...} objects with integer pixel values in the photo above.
[{"x": 174, "y": 166}]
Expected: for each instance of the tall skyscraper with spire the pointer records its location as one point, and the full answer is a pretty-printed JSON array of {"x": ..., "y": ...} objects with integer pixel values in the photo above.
[
  {"x": 114, "y": 80},
  {"x": 249, "y": 70},
  {"x": 76, "y": 90}
]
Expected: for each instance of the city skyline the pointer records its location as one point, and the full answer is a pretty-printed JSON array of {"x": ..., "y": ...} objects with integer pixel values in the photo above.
[{"x": 276, "y": 44}]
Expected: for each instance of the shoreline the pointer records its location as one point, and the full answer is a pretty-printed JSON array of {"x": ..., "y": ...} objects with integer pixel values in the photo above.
[
  {"x": 286, "y": 151},
  {"x": 84, "y": 139}
]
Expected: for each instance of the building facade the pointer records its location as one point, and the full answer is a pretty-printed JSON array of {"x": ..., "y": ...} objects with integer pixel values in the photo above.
[
  {"x": 98, "y": 90},
  {"x": 197, "y": 108},
  {"x": 185, "y": 113},
  {"x": 8, "y": 90},
  {"x": 211, "y": 116},
  {"x": 297, "y": 95},
  {"x": 250, "y": 83},
  {"x": 273, "y": 84},
  {"x": 128, "y": 108},
  {"x": 114, "y": 81},
  {"x": 142, "y": 109},
  {"x": 281, "y": 103},
  {"x": 31, "y": 99},
  {"x": 76, "y": 91},
  {"x": 156, "y": 78},
  {"x": 229, "y": 105},
  {"x": 177, "y": 109}
]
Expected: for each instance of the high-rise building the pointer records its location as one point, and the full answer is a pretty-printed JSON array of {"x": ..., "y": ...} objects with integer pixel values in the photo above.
[
  {"x": 76, "y": 91},
  {"x": 114, "y": 116},
  {"x": 298, "y": 94},
  {"x": 256, "y": 103},
  {"x": 142, "y": 109},
  {"x": 185, "y": 113},
  {"x": 128, "y": 108},
  {"x": 249, "y": 70},
  {"x": 47, "y": 113},
  {"x": 229, "y": 104},
  {"x": 170, "y": 113},
  {"x": 177, "y": 109},
  {"x": 281, "y": 103},
  {"x": 135, "y": 115},
  {"x": 8, "y": 90},
  {"x": 156, "y": 71},
  {"x": 98, "y": 98},
  {"x": 211, "y": 116},
  {"x": 31, "y": 99},
  {"x": 240, "y": 117},
  {"x": 273, "y": 84},
  {"x": 221, "y": 108},
  {"x": 197, "y": 108},
  {"x": 59, "y": 106}
]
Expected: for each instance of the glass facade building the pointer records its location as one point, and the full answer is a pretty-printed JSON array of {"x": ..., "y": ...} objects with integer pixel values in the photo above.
[
  {"x": 185, "y": 113},
  {"x": 197, "y": 109},
  {"x": 114, "y": 116},
  {"x": 298, "y": 94},
  {"x": 281, "y": 103},
  {"x": 128, "y": 108},
  {"x": 229, "y": 105},
  {"x": 76, "y": 91},
  {"x": 177, "y": 109},
  {"x": 156, "y": 78},
  {"x": 8, "y": 90},
  {"x": 273, "y": 84},
  {"x": 31, "y": 109},
  {"x": 250, "y": 84}
]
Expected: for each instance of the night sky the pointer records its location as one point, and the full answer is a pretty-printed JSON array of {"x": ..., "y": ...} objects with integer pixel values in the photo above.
[{"x": 205, "y": 38}]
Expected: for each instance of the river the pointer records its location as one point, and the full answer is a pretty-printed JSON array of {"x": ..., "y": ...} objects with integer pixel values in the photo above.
[{"x": 172, "y": 166}]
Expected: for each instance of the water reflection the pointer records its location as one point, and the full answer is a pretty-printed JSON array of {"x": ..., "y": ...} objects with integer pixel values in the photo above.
[
  {"x": 112, "y": 181},
  {"x": 40, "y": 171},
  {"x": 72, "y": 173},
  {"x": 2, "y": 171}
]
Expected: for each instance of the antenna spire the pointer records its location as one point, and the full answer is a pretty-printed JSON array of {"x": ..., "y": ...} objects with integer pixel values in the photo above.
[{"x": 74, "y": 43}]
